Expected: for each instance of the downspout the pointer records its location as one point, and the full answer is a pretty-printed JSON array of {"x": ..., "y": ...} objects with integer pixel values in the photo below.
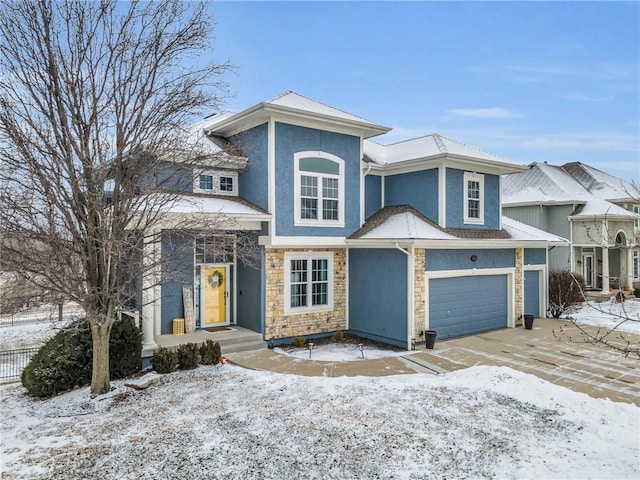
[{"x": 410, "y": 295}]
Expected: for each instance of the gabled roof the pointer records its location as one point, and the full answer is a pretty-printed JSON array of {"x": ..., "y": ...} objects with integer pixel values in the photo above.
[
  {"x": 545, "y": 184},
  {"x": 434, "y": 147},
  {"x": 403, "y": 222},
  {"x": 293, "y": 105},
  {"x": 224, "y": 205},
  {"x": 601, "y": 184}
]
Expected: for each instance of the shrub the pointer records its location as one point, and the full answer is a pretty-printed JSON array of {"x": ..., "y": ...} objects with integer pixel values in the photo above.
[
  {"x": 337, "y": 336},
  {"x": 125, "y": 349},
  {"x": 298, "y": 341},
  {"x": 65, "y": 361},
  {"x": 188, "y": 356},
  {"x": 164, "y": 360},
  {"x": 565, "y": 290},
  {"x": 210, "y": 353}
]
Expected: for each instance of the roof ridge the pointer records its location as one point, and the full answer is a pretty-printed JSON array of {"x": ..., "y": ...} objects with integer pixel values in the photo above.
[{"x": 440, "y": 144}]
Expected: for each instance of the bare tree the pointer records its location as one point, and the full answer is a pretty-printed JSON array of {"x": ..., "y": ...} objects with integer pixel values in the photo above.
[{"x": 94, "y": 97}]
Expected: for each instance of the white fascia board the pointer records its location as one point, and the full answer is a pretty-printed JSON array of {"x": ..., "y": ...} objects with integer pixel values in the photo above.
[
  {"x": 302, "y": 242},
  {"x": 410, "y": 166},
  {"x": 490, "y": 244},
  {"x": 482, "y": 165},
  {"x": 366, "y": 129},
  {"x": 603, "y": 216},
  {"x": 433, "y": 274},
  {"x": 545, "y": 203}
]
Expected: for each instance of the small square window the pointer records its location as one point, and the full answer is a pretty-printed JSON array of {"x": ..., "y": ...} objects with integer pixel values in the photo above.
[
  {"x": 226, "y": 184},
  {"x": 206, "y": 182}
]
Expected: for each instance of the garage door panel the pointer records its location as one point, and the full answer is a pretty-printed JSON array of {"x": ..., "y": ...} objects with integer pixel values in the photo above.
[{"x": 465, "y": 305}]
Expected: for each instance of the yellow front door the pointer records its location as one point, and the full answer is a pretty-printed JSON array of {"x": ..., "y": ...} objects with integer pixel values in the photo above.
[{"x": 214, "y": 295}]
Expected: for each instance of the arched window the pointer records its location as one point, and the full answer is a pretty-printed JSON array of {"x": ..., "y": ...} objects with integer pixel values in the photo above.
[{"x": 319, "y": 189}]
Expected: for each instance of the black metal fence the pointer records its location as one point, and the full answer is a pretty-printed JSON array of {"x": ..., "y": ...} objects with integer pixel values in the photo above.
[{"x": 13, "y": 362}]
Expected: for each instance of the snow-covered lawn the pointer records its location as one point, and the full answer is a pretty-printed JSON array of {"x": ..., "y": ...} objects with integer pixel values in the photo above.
[
  {"x": 230, "y": 423},
  {"x": 609, "y": 314}
]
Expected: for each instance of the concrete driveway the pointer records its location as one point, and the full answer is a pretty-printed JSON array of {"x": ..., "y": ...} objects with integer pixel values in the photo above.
[{"x": 566, "y": 361}]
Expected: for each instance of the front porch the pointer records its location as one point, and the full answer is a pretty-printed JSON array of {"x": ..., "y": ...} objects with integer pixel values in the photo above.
[{"x": 235, "y": 339}]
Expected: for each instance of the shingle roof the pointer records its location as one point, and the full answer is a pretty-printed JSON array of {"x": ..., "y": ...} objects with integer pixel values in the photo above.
[{"x": 601, "y": 184}]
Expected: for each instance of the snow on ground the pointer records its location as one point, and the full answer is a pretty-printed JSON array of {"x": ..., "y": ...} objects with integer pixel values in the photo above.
[
  {"x": 609, "y": 314},
  {"x": 231, "y": 423},
  {"x": 25, "y": 336},
  {"x": 339, "y": 352}
]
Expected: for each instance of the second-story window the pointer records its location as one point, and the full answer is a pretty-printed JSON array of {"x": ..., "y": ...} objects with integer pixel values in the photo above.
[
  {"x": 319, "y": 189},
  {"x": 206, "y": 182},
  {"x": 636, "y": 209},
  {"x": 217, "y": 182},
  {"x": 473, "y": 198}
]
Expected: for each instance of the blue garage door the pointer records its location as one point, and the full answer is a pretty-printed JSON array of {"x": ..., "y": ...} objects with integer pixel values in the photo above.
[
  {"x": 532, "y": 293},
  {"x": 466, "y": 305}
]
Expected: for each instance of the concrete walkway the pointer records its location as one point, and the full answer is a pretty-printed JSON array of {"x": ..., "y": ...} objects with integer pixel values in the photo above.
[{"x": 557, "y": 356}]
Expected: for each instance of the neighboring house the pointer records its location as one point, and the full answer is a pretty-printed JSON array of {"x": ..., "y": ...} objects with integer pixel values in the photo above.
[
  {"x": 596, "y": 211},
  {"x": 382, "y": 241}
]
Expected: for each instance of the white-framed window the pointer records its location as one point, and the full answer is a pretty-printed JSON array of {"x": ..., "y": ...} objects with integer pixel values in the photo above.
[
  {"x": 221, "y": 183},
  {"x": 308, "y": 282},
  {"x": 318, "y": 189},
  {"x": 473, "y": 198},
  {"x": 636, "y": 265},
  {"x": 636, "y": 209}
]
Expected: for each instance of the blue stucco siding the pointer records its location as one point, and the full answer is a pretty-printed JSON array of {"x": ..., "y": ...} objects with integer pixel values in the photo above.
[
  {"x": 177, "y": 270},
  {"x": 535, "y": 256},
  {"x": 532, "y": 293},
  {"x": 249, "y": 297},
  {"x": 461, "y": 259},
  {"x": 253, "y": 180},
  {"x": 455, "y": 201},
  {"x": 291, "y": 139},
  {"x": 372, "y": 195},
  {"x": 418, "y": 189},
  {"x": 378, "y": 294}
]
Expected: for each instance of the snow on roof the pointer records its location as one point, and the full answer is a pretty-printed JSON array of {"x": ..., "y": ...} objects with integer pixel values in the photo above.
[
  {"x": 601, "y": 184},
  {"x": 432, "y": 146},
  {"x": 292, "y": 102},
  {"x": 299, "y": 102},
  {"x": 523, "y": 232},
  {"x": 206, "y": 204},
  {"x": 403, "y": 222},
  {"x": 549, "y": 184},
  {"x": 406, "y": 225}
]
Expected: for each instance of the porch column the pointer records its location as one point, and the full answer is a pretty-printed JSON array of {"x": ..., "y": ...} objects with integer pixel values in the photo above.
[
  {"x": 149, "y": 281},
  {"x": 628, "y": 278},
  {"x": 605, "y": 269}
]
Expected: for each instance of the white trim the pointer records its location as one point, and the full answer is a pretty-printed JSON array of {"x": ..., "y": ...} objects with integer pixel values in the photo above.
[
  {"x": 309, "y": 256},
  {"x": 320, "y": 222},
  {"x": 382, "y": 189},
  {"x": 271, "y": 175},
  {"x": 542, "y": 288},
  {"x": 362, "y": 184},
  {"x": 442, "y": 196},
  {"x": 473, "y": 177},
  {"x": 346, "y": 288},
  {"x": 276, "y": 241},
  {"x": 509, "y": 272}
]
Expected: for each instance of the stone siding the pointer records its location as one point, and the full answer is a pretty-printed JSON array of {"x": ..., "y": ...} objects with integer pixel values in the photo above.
[
  {"x": 420, "y": 294},
  {"x": 279, "y": 325},
  {"x": 519, "y": 286}
]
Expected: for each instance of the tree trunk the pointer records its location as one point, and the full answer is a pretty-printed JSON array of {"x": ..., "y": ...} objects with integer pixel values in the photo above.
[{"x": 100, "y": 334}]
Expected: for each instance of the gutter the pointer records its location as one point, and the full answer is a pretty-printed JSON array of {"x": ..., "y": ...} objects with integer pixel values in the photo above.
[{"x": 411, "y": 313}]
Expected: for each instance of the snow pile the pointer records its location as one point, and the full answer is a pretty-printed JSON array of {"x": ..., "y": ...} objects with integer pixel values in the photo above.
[
  {"x": 623, "y": 316},
  {"x": 227, "y": 422},
  {"x": 339, "y": 352}
]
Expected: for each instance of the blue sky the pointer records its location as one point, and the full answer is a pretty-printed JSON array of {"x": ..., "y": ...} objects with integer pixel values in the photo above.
[{"x": 528, "y": 81}]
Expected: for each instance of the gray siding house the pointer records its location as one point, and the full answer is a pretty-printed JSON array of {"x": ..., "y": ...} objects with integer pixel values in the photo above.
[{"x": 597, "y": 212}]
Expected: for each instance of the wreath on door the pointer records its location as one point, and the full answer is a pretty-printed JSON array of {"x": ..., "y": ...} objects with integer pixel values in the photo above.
[{"x": 215, "y": 279}]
